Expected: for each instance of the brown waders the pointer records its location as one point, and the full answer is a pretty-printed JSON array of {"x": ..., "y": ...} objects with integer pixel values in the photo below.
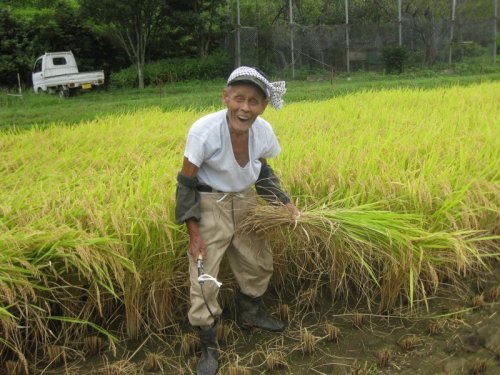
[{"x": 250, "y": 260}]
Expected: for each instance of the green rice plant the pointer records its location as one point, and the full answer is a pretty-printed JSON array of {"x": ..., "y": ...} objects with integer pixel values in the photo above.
[
  {"x": 82, "y": 230},
  {"x": 399, "y": 190},
  {"x": 429, "y": 150}
]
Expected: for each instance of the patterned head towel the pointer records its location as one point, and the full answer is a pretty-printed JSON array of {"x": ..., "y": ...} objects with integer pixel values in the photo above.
[{"x": 272, "y": 90}]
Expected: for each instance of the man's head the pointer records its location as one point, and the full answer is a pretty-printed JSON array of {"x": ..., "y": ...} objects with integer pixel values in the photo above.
[
  {"x": 245, "y": 102},
  {"x": 249, "y": 76},
  {"x": 271, "y": 91}
]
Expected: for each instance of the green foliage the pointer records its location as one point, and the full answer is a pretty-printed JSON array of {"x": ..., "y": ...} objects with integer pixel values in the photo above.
[
  {"x": 394, "y": 58},
  {"x": 14, "y": 46},
  {"x": 471, "y": 49},
  {"x": 201, "y": 25},
  {"x": 476, "y": 66},
  {"x": 175, "y": 70}
]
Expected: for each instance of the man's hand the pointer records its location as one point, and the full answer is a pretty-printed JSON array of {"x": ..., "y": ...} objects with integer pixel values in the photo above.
[
  {"x": 294, "y": 212},
  {"x": 196, "y": 243}
]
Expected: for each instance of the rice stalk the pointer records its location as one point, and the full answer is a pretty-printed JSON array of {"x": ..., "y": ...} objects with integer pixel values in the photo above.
[
  {"x": 383, "y": 358},
  {"x": 477, "y": 301},
  {"x": 332, "y": 333},
  {"x": 14, "y": 368},
  {"x": 436, "y": 327},
  {"x": 358, "y": 371},
  {"x": 307, "y": 341},
  {"x": 391, "y": 252},
  {"x": 358, "y": 319},
  {"x": 154, "y": 362},
  {"x": 410, "y": 342},
  {"x": 479, "y": 367},
  {"x": 224, "y": 330},
  {"x": 492, "y": 295},
  {"x": 190, "y": 344},
  {"x": 235, "y": 369},
  {"x": 93, "y": 345},
  {"x": 275, "y": 359},
  {"x": 307, "y": 299},
  {"x": 56, "y": 354},
  {"x": 121, "y": 367},
  {"x": 284, "y": 312},
  {"x": 111, "y": 338}
]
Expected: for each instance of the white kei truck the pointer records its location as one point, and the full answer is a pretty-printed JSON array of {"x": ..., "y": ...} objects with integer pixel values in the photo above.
[{"x": 58, "y": 72}]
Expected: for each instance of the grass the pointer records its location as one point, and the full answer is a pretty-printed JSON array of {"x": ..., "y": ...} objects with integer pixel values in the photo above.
[{"x": 46, "y": 109}]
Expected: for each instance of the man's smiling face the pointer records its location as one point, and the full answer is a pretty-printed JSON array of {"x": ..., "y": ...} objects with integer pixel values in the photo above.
[{"x": 244, "y": 102}]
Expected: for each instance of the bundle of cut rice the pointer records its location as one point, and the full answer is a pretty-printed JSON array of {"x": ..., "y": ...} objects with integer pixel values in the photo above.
[{"x": 385, "y": 254}]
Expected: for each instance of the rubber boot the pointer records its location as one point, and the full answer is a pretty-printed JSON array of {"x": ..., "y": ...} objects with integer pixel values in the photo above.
[
  {"x": 208, "y": 364},
  {"x": 249, "y": 313}
]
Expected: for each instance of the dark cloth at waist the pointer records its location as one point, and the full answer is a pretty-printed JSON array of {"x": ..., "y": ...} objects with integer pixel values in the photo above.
[
  {"x": 207, "y": 189},
  {"x": 204, "y": 188}
]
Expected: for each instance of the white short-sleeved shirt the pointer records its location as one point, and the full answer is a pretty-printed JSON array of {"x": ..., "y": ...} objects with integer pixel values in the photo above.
[{"x": 209, "y": 147}]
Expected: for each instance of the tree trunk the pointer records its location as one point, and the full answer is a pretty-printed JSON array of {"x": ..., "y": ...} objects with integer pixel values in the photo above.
[{"x": 140, "y": 74}]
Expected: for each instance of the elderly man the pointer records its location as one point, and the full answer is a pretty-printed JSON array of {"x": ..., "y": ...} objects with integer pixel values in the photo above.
[{"x": 226, "y": 155}]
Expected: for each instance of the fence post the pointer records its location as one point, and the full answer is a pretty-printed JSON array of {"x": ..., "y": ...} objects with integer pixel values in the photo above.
[
  {"x": 400, "y": 26},
  {"x": 453, "y": 6},
  {"x": 19, "y": 90},
  {"x": 291, "y": 39},
  {"x": 495, "y": 21},
  {"x": 238, "y": 29},
  {"x": 348, "y": 63}
]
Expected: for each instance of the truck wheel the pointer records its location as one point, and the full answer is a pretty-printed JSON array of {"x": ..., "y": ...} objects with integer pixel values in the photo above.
[
  {"x": 40, "y": 91},
  {"x": 63, "y": 93}
]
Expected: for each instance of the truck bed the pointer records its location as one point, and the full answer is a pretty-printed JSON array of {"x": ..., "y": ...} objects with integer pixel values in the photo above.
[{"x": 76, "y": 80}]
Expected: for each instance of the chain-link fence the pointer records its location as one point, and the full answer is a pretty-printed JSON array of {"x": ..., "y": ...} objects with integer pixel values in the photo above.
[{"x": 341, "y": 48}]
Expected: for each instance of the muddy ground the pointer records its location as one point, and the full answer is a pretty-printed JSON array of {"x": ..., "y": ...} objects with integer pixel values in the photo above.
[{"x": 458, "y": 334}]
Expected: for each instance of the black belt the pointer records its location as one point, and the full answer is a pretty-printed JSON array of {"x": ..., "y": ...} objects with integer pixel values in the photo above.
[{"x": 207, "y": 189}]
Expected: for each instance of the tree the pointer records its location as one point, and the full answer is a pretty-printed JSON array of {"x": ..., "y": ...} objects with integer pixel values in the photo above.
[
  {"x": 14, "y": 43},
  {"x": 197, "y": 24},
  {"x": 131, "y": 23},
  {"x": 210, "y": 16}
]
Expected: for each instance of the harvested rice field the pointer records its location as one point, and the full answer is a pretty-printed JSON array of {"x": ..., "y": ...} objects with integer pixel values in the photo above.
[{"x": 392, "y": 266}]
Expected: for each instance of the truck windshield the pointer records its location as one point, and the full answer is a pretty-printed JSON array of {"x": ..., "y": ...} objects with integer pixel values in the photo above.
[{"x": 38, "y": 66}]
